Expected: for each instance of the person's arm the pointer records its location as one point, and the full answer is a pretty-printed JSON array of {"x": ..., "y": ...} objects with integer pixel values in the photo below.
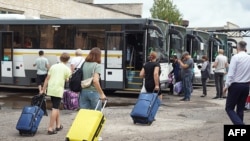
[
  {"x": 156, "y": 77},
  {"x": 45, "y": 84},
  {"x": 97, "y": 85},
  {"x": 72, "y": 67},
  {"x": 34, "y": 64},
  {"x": 204, "y": 66},
  {"x": 226, "y": 64},
  {"x": 142, "y": 73},
  {"x": 47, "y": 64},
  {"x": 215, "y": 63},
  {"x": 96, "y": 82},
  {"x": 231, "y": 72},
  {"x": 184, "y": 66}
]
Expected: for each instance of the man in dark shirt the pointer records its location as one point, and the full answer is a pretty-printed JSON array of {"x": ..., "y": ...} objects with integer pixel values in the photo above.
[{"x": 151, "y": 73}]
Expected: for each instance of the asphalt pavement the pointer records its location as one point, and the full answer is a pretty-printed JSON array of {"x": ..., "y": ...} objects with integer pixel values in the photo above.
[{"x": 200, "y": 119}]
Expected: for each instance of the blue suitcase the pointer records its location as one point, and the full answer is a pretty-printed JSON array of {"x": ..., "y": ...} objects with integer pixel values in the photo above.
[
  {"x": 29, "y": 120},
  {"x": 145, "y": 108}
]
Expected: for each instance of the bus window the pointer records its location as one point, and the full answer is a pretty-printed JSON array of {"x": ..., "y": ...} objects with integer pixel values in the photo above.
[
  {"x": 30, "y": 36},
  {"x": 17, "y": 40},
  {"x": 47, "y": 32},
  {"x": 176, "y": 46}
]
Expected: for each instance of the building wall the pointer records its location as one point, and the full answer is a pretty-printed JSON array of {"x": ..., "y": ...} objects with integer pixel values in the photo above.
[{"x": 60, "y": 9}]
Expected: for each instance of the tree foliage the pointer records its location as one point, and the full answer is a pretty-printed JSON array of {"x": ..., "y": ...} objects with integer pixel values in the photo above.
[{"x": 166, "y": 10}]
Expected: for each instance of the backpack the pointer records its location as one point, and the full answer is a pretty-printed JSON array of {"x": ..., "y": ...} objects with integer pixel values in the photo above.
[
  {"x": 70, "y": 100},
  {"x": 75, "y": 80}
]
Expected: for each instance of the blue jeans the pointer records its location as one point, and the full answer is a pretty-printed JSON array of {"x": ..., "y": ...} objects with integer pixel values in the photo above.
[
  {"x": 237, "y": 95},
  {"x": 89, "y": 99},
  {"x": 187, "y": 86}
]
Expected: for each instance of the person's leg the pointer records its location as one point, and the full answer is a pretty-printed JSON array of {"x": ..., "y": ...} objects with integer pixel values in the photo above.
[
  {"x": 171, "y": 88},
  {"x": 232, "y": 99},
  {"x": 52, "y": 119},
  {"x": 84, "y": 102},
  {"x": 216, "y": 80},
  {"x": 57, "y": 102},
  {"x": 39, "y": 82},
  {"x": 94, "y": 98},
  {"x": 204, "y": 87},
  {"x": 242, "y": 100},
  {"x": 221, "y": 84},
  {"x": 189, "y": 86},
  {"x": 185, "y": 87},
  {"x": 54, "y": 115}
]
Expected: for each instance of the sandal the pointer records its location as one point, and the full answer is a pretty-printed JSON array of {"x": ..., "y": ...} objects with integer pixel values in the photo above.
[
  {"x": 60, "y": 128},
  {"x": 52, "y": 132}
]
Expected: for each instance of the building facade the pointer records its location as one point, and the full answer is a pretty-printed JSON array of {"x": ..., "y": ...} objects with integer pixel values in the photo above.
[{"x": 65, "y": 9}]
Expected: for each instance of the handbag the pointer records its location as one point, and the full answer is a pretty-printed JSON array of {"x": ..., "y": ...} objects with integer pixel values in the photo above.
[
  {"x": 87, "y": 82},
  {"x": 143, "y": 89}
]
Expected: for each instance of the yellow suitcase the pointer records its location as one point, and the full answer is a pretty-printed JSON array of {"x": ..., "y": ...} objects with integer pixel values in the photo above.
[{"x": 87, "y": 125}]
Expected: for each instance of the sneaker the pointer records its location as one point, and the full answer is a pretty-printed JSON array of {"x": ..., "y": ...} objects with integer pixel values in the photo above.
[
  {"x": 216, "y": 97},
  {"x": 184, "y": 99},
  {"x": 203, "y": 95}
]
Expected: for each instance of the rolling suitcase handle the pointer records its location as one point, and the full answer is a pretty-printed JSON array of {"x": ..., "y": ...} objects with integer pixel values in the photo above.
[{"x": 99, "y": 101}]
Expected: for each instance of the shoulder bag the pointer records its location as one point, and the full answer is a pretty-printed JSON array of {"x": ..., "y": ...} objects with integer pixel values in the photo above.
[{"x": 87, "y": 82}]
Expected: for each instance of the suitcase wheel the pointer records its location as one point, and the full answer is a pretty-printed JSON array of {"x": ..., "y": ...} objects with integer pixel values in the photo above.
[
  {"x": 149, "y": 123},
  {"x": 67, "y": 139}
]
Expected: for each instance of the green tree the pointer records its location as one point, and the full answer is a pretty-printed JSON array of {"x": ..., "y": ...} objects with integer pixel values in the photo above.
[{"x": 166, "y": 10}]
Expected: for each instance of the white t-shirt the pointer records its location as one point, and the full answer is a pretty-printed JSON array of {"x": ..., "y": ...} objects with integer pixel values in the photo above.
[
  {"x": 77, "y": 61},
  {"x": 221, "y": 63}
]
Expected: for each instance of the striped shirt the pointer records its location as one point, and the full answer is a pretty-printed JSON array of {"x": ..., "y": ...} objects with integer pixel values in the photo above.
[{"x": 239, "y": 69}]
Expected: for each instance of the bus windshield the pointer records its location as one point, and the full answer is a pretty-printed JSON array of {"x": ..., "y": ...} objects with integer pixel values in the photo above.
[{"x": 157, "y": 41}]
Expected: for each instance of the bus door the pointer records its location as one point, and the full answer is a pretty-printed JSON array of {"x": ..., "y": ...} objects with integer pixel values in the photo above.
[
  {"x": 214, "y": 46},
  {"x": 232, "y": 48},
  {"x": 135, "y": 55},
  {"x": 114, "y": 68},
  {"x": 6, "y": 54}
]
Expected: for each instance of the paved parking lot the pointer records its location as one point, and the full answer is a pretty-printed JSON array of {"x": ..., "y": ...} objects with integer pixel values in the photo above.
[{"x": 201, "y": 119}]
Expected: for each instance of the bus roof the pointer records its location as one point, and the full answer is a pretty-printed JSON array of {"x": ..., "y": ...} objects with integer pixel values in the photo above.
[{"x": 76, "y": 21}]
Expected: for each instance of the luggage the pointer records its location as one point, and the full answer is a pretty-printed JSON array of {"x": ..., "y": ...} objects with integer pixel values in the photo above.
[
  {"x": 145, "y": 108},
  {"x": 76, "y": 78},
  {"x": 39, "y": 100},
  {"x": 177, "y": 87},
  {"x": 29, "y": 120},
  {"x": 31, "y": 116},
  {"x": 247, "y": 106},
  {"x": 87, "y": 125},
  {"x": 70, "y": 100}
]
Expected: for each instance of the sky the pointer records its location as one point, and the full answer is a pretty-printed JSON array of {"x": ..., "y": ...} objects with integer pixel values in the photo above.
[{"x": 204, "y": 13}]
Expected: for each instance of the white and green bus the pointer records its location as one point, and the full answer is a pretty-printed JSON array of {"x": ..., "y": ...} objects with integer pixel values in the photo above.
[{"x": 125, "y": 45}]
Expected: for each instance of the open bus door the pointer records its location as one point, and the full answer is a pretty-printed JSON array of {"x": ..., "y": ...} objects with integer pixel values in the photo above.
[
  {"x": 214, "y": 46},
  {"x": 6, "y": 54},
  {"x": 114, "y": 68}
]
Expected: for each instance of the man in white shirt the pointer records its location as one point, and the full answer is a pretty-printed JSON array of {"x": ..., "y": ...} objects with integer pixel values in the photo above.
[
  {"x": 237, "y": 84},
  {"x": 220, "y": 66}
]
